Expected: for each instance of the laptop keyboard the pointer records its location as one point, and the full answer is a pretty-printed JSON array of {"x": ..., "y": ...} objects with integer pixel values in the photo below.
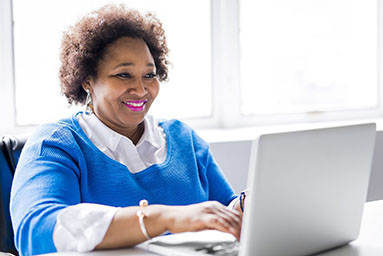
[{"x": 223, "y": 248}]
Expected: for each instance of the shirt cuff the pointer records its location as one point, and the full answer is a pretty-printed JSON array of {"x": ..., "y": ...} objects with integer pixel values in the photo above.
[
  {"x": 82, "y": 227},
  {"x": 233, "y": 202}
]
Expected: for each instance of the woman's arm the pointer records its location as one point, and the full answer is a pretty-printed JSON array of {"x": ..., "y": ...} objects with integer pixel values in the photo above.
[{"x": 125, "y": 230}]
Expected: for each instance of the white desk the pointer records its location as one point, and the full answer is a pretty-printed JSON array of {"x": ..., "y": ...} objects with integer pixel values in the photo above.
[{"x": 369, "y": 243}]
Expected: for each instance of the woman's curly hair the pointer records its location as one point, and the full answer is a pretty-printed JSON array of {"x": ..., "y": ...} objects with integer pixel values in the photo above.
[{"x": 84, "y": 43}]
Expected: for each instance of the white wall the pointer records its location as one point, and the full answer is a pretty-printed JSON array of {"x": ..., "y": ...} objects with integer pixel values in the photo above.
[{"x": 233, "y": 158}]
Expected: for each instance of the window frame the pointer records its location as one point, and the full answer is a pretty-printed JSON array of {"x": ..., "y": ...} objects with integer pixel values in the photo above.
[
  {"x": 225, "y": 77},
  {"x": 7, "y": 103}
]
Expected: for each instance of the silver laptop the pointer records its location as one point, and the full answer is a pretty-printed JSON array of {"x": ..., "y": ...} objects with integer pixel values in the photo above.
[{"x": 306, "y": 195}]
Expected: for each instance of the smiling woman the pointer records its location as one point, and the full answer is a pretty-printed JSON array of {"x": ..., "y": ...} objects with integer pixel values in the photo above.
[
  {"x": 125, "y": 87},
  {"x": 82, "y": 182},
  {"x": 120, "y": 67},
  {"x": 87, "y": 53}
]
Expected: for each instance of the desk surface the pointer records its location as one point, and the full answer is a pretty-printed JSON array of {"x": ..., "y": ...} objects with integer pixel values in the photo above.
[{"x": 369, "y": 243}]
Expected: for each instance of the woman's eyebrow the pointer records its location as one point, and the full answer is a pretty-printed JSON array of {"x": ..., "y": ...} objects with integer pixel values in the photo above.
[{"x": 124, "y": 64}]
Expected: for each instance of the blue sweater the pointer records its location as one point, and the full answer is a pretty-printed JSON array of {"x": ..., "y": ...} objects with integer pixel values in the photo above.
[{"x": 59, "y": 166}]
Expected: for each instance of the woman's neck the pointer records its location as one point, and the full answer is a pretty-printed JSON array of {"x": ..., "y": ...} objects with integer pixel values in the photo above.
[{"x": 136, "y": 135}]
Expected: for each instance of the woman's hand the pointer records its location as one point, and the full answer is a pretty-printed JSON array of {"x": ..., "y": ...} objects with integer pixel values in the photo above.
[{"x": 202, "y": 216}]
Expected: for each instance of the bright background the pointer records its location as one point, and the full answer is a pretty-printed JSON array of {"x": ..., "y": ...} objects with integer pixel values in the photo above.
[{"x": 235, "y": 63}]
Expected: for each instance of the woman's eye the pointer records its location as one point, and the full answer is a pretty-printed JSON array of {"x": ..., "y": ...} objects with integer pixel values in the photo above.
[
  {"x": 124, "y": 75},
  {"x": 151, "y": 75}
]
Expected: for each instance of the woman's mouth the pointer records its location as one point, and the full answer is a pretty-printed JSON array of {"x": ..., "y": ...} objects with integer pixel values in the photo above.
[{"x": 135, "y": 105}]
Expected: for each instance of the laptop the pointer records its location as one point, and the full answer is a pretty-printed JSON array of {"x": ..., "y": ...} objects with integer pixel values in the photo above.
[{"x": 306, "y": 195}]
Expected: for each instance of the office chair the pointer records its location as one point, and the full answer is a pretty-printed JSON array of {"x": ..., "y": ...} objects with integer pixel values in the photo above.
[{"x": 9, "y": 155}]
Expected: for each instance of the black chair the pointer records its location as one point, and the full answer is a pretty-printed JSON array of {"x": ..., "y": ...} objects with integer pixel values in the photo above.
[{"x": 9, "y": 155}]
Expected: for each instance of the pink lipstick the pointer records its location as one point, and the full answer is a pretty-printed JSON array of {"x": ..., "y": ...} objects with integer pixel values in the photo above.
[{"x": 135, "y": 105}]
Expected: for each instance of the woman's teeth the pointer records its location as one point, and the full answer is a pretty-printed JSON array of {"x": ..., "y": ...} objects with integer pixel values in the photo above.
[{"x": 134, "y": 104}]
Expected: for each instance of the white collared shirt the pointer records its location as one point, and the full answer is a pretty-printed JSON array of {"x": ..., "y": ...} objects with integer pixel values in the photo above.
[{"x": 150, "y": 149}]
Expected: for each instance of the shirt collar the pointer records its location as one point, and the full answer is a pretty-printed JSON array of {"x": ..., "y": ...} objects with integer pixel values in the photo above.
[
  {"x": 101, "y": 131},
  {"x": 151, "y": 132}
]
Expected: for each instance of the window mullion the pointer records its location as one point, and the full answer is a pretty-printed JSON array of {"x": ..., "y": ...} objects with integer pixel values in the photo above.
[
  {"x": 225, "y": 61},
  {"x": 7, "y": 103},
  {"x": 380, "y": 58}
]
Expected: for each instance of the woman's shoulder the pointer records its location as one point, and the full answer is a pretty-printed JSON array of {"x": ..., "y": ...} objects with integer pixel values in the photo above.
[
  {"x": 177, "y": 128},
  {"x": 62, "y": 131},
  {"x": 174, "y": 124},
  {"x": 181, "y": 130}
]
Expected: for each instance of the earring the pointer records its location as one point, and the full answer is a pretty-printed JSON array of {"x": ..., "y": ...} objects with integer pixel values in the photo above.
[{"x": 88, "y": 102}]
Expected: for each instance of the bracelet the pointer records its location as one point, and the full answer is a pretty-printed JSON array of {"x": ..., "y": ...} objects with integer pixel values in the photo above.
[
  {"x": 141, "y": 215},
  {"x": 241, "y": 199}
]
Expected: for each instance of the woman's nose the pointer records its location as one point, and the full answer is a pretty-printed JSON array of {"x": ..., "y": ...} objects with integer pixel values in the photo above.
[{"x": 138, "y": 88}]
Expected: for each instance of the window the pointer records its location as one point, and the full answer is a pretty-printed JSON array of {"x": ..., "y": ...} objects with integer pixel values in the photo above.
[
  {"x": 235, "y": 62},
  {"x": 37, "y": 38},
  {"x": 308, "y": 55}
]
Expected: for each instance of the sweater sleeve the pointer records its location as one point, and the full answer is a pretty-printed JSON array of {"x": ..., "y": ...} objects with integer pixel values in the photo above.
[
  {"x": 219, "y": 187},
  {"x": 46, "y": 181}
]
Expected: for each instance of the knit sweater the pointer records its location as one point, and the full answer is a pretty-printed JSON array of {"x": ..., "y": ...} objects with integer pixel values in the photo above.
[{"x": 59, "y": 166}]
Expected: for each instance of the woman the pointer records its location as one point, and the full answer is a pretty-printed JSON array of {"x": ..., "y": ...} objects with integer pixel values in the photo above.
[{"x": 79, "y": 181}]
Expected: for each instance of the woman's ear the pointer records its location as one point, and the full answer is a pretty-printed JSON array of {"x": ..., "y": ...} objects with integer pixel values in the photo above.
[{"x": 87, "y": 84}]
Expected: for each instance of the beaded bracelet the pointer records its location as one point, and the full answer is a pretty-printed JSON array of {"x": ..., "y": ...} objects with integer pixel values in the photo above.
[{"x": 141, "y": 215}]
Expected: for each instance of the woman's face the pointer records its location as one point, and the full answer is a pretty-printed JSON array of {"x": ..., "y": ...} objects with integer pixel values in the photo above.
[{"x": 126, "y": 85}]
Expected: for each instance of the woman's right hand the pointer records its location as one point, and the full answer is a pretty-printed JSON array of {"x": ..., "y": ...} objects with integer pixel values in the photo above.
[{"x": 203, "y": 216}]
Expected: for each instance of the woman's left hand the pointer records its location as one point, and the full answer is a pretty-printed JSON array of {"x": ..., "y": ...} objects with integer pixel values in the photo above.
[{"x": 203, "y": 216}]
